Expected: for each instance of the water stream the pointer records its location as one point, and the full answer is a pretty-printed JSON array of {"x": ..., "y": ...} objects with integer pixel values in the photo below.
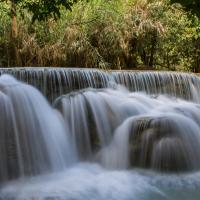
[{"x": 91, "y": 134}]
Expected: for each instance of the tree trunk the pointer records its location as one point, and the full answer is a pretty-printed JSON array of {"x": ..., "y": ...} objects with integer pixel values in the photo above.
[
  {"x": 197, "y": 62},
  {"x": 14, "y": 28},
  {"x": 197, "y": 65},
  {"x": 153, "y": 49},
  {"x": 14, "y": 36}
]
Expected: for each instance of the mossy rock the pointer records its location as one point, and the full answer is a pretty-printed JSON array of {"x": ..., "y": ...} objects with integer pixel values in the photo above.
[{"x": 154, "y": 144}]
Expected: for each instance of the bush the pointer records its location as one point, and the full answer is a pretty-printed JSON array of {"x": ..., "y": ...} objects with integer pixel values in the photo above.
[{"x": 115, "y": 34}]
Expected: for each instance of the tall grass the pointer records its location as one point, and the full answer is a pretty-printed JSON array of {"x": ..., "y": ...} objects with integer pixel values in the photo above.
[{"x": 115, "y": 34}]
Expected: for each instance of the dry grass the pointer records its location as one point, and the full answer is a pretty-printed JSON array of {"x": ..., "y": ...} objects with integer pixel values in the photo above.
[{"x": 116, "y": 34}]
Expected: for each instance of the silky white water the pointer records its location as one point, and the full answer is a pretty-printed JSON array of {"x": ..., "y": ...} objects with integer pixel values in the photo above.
[
  {"x": 34, "y": 138},
  {"x": 91, "y": 181},
  {"x": 138, "y": 141}
]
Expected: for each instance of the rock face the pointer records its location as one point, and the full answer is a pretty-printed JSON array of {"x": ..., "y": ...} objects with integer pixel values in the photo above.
[
  {"x": 156, "y": 143},
  {"x": 91, "y": 121},
  {"x": 121, "y": 129},
  {"x": 170, "y": 155}
]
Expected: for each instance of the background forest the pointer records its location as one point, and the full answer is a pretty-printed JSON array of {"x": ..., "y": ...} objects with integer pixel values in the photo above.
[{"x": 108, "y": 34}]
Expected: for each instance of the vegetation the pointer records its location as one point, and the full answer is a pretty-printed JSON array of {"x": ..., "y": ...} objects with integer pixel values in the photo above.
[
  {"x": 190, "y": 5},
  {"x": 114, "y": 34}
]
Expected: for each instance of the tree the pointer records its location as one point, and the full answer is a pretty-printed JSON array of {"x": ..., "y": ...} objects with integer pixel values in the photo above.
[
  {"x": 44, "y": 9},
  {"x": 41, "y": 10},
  {"x": 190, "y": 5},
  {"x": 193, "y": 6}
]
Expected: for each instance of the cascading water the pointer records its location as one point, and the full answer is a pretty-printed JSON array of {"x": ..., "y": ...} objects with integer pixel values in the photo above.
[
  {"x": 33, "y": 136},
  {"x": 115, "y": 135},
  {"x": 53, "y": 82}
]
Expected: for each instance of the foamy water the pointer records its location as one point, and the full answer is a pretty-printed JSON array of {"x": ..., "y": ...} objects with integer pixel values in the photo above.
[
  {"x": 138, "y": 142},
  {"x": 90, "y": 181}
]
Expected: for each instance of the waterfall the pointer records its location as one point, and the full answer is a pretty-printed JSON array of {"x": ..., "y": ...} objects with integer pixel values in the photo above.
[
  {"x": 53, "y": 82},
  {"x": 91, "y": 134},
  {"x": 134, "y": 130},
  {"x": 33, "y": 136}
]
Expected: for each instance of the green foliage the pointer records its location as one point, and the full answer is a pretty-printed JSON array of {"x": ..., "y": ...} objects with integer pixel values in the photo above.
[
  {"x": 190, "y": 5},
  {"x": 114, "y": 34},
  {"x": 43, "y": 9},
  {"x": 4, "y": 30}
]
